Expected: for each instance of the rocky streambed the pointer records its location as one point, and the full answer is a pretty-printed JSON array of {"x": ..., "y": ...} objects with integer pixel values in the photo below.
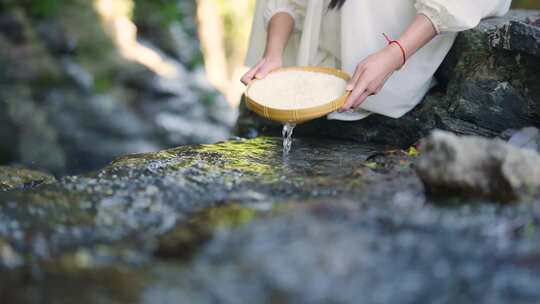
[{"x": 234, "y": 222}]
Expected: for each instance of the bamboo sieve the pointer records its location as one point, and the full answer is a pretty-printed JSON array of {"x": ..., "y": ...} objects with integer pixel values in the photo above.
[{"x": 300, "y": 115}]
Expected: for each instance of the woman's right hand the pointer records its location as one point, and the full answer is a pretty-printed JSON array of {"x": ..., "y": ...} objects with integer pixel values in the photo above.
[{"x": 261, "y": 69}]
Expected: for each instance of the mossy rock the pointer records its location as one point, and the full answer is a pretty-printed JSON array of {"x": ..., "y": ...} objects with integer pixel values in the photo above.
[
  {"x": 209, "y": 222},
  {"x": 16, "y": 178}
]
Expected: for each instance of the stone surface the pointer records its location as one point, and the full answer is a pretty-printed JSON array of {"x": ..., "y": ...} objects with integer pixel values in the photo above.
[
  {"x": 70, "y": 101},
  {"x": 527, "y": 138},
  {"x": 485, "y": 88},
  {"x": 518, "y": 36},
  {"x": 15, "y": 178},
  {"x": 476, "y": 167},
  {"x": 334, "y": 254},
  {"x": 236, "y": 222}
]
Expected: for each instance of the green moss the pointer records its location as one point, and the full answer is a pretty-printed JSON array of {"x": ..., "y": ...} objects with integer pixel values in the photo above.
[
  {"x": 45, "y": 208},
  {"x": 182, "y": 241},
  {"x": 13, "y": 178},
  {"x": 103, "y": 83},
  {"x": 251, "y": 157},
  {"x": 111, "y": 284},
  {"x": 145, "y": 158}
]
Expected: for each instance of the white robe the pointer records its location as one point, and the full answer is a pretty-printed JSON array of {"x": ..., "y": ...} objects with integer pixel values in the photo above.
[{"x": 318, "y": 40}]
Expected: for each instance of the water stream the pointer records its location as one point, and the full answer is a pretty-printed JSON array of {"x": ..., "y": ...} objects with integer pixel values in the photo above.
[
  {"x": 287, "y": 132},
  {"x": 331, "y": 213}
]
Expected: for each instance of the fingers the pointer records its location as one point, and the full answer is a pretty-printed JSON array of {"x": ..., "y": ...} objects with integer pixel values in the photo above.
[
  {"x": 355, "y": 86},
  {"x": 371, "y": 90},
  {"x": 263, "y": 71},
  {"x": 362, "y": 88},
  {"x": 361, "y": 99},
  {"x": 356, "y": 93},
  {"x": 248, "y": 77},
  {"x": 354, "y": 80}
]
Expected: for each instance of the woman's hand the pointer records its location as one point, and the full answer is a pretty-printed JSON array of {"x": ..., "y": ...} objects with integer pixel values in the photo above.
[
  {"x": 280, "y": 28},
  {"x": 371, "y": 74},
  {"x": 261, "y": 69}
]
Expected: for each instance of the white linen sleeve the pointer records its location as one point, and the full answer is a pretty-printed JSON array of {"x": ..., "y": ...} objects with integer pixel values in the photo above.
[
  {"x": 460, "y": 15},
  {"x": 295, "y": 8}
]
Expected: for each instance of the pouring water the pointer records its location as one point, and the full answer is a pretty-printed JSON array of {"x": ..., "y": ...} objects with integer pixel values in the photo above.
[{"x": 287, "y": 132}]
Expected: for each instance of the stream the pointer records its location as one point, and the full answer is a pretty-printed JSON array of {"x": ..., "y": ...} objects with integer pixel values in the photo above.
[
  {"x": 233, "y": 223},
  {"x": 287, "y": 133}
]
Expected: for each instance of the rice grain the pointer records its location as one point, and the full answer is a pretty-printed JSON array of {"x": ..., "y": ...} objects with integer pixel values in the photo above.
[{"x": 296, "y": 89}]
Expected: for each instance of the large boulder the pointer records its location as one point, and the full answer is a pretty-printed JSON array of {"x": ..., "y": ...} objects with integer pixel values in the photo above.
[
  {"x": 71, "y": 100},
  {"x": 452, "y": 166},
  {"x": 488, "y": 83},
  {"x": 235, "y": 222}
]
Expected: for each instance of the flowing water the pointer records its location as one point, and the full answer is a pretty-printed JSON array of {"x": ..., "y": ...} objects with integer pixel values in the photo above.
[
  {"x": 287, "y": 132},
  {"x": 234, "y": 222}
]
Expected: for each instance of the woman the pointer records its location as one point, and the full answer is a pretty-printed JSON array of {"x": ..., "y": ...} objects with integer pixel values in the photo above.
[{"x": 390, "y": 77}]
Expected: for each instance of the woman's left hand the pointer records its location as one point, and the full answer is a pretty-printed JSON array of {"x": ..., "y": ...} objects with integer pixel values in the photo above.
[{"x": 371, "y": 74}]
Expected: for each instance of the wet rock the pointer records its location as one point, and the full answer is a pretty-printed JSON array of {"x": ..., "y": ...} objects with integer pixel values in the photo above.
[
  {"x": 15, "y": 178},
  {"x": 477, "y": 167},
  {"x": 335, "y": 252},
  {"x": 527, "y": 138},
  {"x": 8, "y": 256},
  {"x": 484, "y": 89},
  {"x": 186, "y": 238},
  {"x": 235, "y": 222},
  {"x": 70, "y": 281},
  {"x": 70, "y": 101},
  {"x": 523, "y": 36},
  {"x": 147, "y": 205}
]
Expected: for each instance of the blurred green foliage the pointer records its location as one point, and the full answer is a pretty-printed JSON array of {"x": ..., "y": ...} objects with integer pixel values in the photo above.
[
  {"x": 79, "y": 21},
  {"x": 154, "y": 18},
  {"x": 39, "y": 8},
  {"x": 534, "y": 4},
  {"x": 169, "y": 8},
  {"x": 164, "y": 11},
  {"x": 237, "y": 22}
]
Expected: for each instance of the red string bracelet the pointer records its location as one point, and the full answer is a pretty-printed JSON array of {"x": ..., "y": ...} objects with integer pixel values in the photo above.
[{"x": 390, "y": 41}]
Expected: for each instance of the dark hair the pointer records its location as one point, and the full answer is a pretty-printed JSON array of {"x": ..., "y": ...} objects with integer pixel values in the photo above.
[{"x": 336, "y": 4}]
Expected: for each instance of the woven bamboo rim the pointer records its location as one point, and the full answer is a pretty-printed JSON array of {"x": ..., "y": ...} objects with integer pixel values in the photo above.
[{"x": 298, "y": 116}]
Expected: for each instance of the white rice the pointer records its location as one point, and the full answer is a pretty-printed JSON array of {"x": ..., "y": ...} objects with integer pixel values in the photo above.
[{"x": 296, "y": 89}]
